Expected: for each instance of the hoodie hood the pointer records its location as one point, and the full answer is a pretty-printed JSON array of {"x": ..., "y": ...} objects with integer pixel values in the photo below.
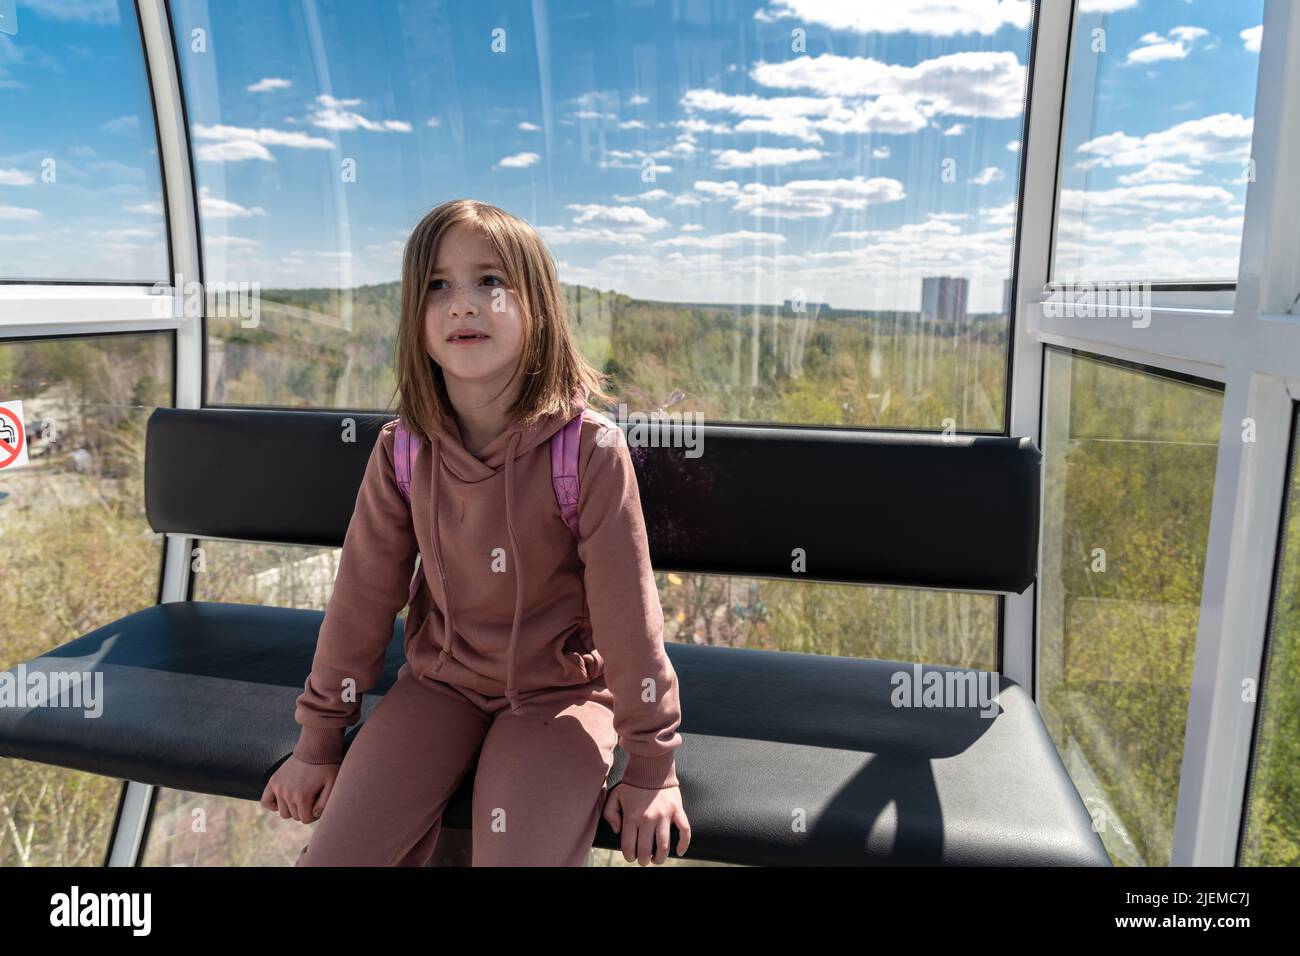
[{"x": 448, "y": 450}]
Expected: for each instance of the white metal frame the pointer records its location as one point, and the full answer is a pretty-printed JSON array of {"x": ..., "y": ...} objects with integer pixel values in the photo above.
[
  {"x": 182, "y": 214},
  {"x": 1250, "y": 342},
  {"x": 1254, "y": 350},
  {"x": 1038, "y": 202}
]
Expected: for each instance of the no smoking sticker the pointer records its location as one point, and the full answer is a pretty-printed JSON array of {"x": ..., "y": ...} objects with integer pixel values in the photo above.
[{"x": 13, "y": 438}]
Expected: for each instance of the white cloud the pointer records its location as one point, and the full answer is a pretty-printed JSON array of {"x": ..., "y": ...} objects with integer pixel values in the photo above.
[
  {"x": 238, "y": 143},
  {"x": 863, "y": 95},
  {"x": 1105, "y": 6},
  {"x": 526, "y": 127},
  {"x": 1223, "y": 137},
  {"x": 1175, "y": 45},
  {"x": 779, "y": 115},
  {"x": 122, "y": 124},
  {"x": 1202, "y": 246},
  {"x": 1014, "y": 145},
  {"x": 989, "y": 174},
  {"x": 724, "y": 240},
  {"x": 956, "y": 129},
  {"x": 125, "y": 235},
  {"x": 1159, "y": 172},
  {"x": 572, "y": 235},
  {"x": 238, "y": 244},
  {"x": 1163, "y": 199},
  {"x": 971, "y": 83},
  {"x": 764, "y": 156},
  {"x": 694, "y": 124},
  {"x": 1251, "y": 37},
  {"x": 682, "y": 147},
  {"x": 233, "y": 151},
  {"x": 594, "y": 215},
  {"x": 936, "y": 17},
  {"x": 329, "y": 113},
  {"x": 18, "y": 212},
  {"x": 214, "y": 208},
  {"x": 15, "y": 177},
  {"x": 755, "y": 269},
  {"x": 880, "y": 152},
  {"x": 652, "y": 195},
  {"x": 1004, "y": 215},
  {"x": 518, "y": 161},
  {"x": 266, "y": 84},
  {"x": 803, "y": 199}
]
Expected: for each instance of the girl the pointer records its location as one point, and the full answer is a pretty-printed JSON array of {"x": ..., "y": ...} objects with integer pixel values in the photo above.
[{"x": 528, "y": 656}]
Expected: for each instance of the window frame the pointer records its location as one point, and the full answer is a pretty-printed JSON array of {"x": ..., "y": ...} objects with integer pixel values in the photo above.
[
  {"x": 1275, "y": 595},
  {"x": 1247, "y": 338}
]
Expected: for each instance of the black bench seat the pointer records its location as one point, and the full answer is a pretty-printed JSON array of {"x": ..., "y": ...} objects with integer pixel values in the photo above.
[
  {"x": 198, "y": 696},
  {"x": 787, "y": 758}
]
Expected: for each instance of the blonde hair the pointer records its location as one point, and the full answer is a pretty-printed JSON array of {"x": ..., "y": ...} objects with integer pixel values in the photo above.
[{"x": 554, "y": 369}]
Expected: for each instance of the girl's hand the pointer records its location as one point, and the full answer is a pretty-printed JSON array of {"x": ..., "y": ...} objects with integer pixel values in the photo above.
[
  {"x": 643, "y": 816},
  {"x": 299, "y": 791}
]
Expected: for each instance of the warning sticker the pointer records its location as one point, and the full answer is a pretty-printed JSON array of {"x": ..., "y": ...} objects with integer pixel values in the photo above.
[{"x": 13, "y": 438}]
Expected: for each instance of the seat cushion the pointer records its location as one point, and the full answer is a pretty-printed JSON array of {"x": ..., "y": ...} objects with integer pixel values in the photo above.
[{"x": 786, "y": 759}]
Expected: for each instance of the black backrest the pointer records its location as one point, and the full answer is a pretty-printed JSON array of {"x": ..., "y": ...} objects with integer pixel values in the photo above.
[{"x": 897, "y": 508}]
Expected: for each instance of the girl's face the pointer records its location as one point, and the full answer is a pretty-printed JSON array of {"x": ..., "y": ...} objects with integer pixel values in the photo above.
[{"x": 468, "y": 293}]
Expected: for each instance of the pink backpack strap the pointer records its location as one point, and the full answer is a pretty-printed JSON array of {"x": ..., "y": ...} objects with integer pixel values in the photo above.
[
  {"x": 405, "y": 447},
  {"x": 564, "y": 470}
]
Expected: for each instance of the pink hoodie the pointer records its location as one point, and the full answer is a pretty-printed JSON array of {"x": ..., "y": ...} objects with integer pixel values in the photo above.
[{"x": 511, "y": 604}]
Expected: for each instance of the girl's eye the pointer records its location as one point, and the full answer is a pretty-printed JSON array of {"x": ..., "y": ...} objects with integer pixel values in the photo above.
[{"x": 433, "y": 283}]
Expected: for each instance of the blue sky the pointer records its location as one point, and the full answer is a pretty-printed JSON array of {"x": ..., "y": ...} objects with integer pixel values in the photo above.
[{"x": 880, "y": 151}]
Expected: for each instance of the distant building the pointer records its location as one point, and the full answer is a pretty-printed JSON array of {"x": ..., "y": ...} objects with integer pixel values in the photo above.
[
  {"x": 944, "y": 298},
  {"x": 809, "y": 308}
]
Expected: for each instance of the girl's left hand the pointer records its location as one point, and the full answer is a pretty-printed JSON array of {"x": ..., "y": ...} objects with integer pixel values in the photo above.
[{"x": 642, "y": 817}]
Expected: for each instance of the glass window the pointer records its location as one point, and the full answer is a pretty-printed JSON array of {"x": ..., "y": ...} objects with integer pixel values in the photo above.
[
  {"x": 1156, "y": 144},
  {"x": 199, "y": 829},
  {"x": 80, "y": 190},
  {"x": 1129, "y": 460},
  {"x": 77, "y": 551},
  {"x": 1272, "y": 832},
  {"x": 745, "y": 204},
  {"x": 839, "y": 620}
]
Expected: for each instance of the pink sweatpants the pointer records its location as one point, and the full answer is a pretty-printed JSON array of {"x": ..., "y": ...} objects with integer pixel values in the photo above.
[{"x": 539, "y": 785}]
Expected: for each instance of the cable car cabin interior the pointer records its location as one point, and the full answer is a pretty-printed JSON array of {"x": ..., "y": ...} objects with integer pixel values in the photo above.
[{"x": 954, "y": 347}]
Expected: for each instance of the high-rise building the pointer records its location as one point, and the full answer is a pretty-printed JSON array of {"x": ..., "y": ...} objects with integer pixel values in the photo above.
[{"x": 944, "y": 298}]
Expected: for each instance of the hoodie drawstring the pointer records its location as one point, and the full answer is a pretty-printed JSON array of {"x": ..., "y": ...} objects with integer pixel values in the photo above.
[
  {"x": 437, "y": 555},
  {"x": 511, "y": 693},
  {"x": 445, "y": 653}
]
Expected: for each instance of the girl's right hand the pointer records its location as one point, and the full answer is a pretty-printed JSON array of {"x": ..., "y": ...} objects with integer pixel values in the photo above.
[{"x": 299, "y": 791}]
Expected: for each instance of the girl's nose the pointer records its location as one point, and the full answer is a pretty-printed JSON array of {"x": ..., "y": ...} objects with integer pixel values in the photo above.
[{"x": 462, "y": 303}]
